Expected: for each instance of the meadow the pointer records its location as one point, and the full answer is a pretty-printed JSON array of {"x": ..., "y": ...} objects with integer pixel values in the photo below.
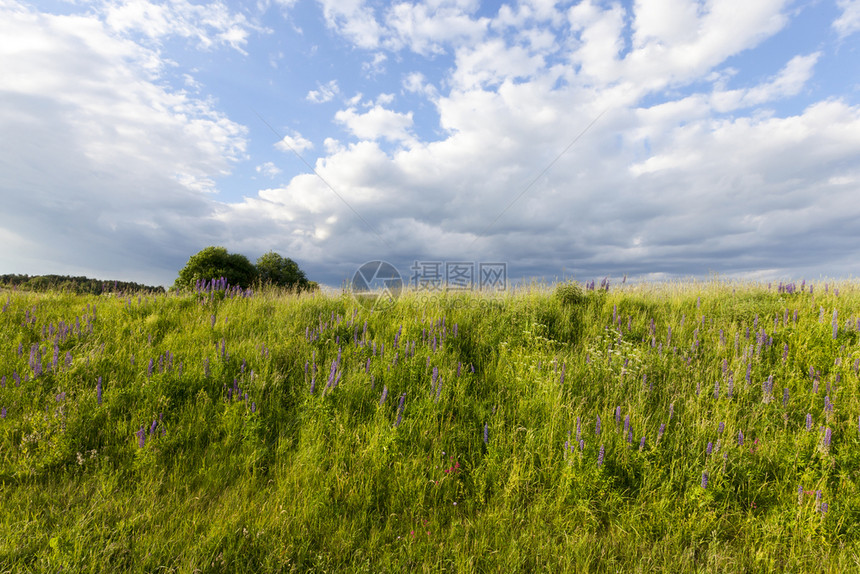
[{"x": 681, "y": 427}]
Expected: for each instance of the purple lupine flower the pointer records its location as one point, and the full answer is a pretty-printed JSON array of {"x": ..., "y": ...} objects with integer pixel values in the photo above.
[
  {"x": 438, "y": 389},
  {"x": 629, "y": 437},
  {"x": 824, "y": 508},
  {"x": 149, "y": 370},
  {"x": 835, "y": 325},
  {"x": 800, "y": 494},
  {"x": 808, "y": 421},
  {"x": 152, "y": 427},
  {"x": 642, "y": 443},
  {"x": 141, "y": 437},
  {"x": 253, "y": 407},
  {"x": 704, "y": 480},
  {"x": 581, "y": 445},
  {"x": 740, "y": 438},
  {"x": 661, "y": 431},
  {"x": 3, "y": 381},
  {"x": 709, "y": 448},
  {"x": 434, "y": 376},
  {"x": 99, "y": 391},
  {"x": 827, "y": 437},
  {"x": 400, "y": 407},
  {"x": 626, "y": 424},
  {"x": 721, "y": 427},
  {"x": 486, "y": 434},
  {"x": 384, "y": 394},
  {"x": 3, "y": 413},
  {"x": 617, "y": 416},
  {"x": 600, "y": 457},
  {"x": 731, "y": 385},
  {"x": 785, "y": 352}
]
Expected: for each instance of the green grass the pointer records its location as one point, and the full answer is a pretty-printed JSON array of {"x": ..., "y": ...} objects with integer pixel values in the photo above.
[{"x": 287, "y": 480}]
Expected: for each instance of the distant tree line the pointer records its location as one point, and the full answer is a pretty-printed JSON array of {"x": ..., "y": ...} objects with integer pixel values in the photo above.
[
  {"x": 79, "y": 285},
  {"x": 216, "y": 263}
]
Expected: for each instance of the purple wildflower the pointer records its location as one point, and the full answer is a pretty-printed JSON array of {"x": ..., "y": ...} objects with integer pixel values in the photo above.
[
  {"x": 835, "y": 325},
  {"x": 153, "y": 426},
  {"x": 3, "y": 413},
  {"x": 721, "y": 427},
  {"x": 617, "y": 416},
  {"x": 642, "y": 443},
  {"x": 384, "y": 394},
  {"x": 704, "y": 480},
  {"x": 400, "y": 407},
  {"x": 827, "y": 437},
  {"x": 661, "y": 431},
  {"x": 626, "y": 424},
  {"x": 486, "y": 434},
  {"x": 600, "y": 457},
  {"x": 808, "y": 421},
  {"x": 710, "y": 448},
  {"x": 141, "y": 437},
  {"x": 740, "y": 438},
  {"x": 99, "y": 391}
]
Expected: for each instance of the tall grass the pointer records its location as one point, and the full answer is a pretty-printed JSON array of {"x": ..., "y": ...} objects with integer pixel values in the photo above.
[{"x": 259, "y": 439}]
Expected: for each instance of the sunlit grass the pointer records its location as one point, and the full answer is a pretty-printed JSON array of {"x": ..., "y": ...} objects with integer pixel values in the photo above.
[{"x": 244, "y": 469}]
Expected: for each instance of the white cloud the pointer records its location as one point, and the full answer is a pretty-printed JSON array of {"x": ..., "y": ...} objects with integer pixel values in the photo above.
[
  {"x": 101, "y": 161},
  {"x": 849, "y": 21},
  {"x": 377, "y": 123},
  {"x": 268, "y": 169},
  {"x": 427, "y": 28},
  {"x": 294, "y": 143},
  {"x": 789, "y": 82},
  {"x": 209, "y": 24},
  {"x": 354, "y": 20},
  {"x": 324, "y": 94}
]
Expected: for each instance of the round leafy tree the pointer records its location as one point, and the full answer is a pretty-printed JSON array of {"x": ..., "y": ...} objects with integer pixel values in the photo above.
[
  {"x": 214, "y": 263},
  {"x": 281, "y": 271}
]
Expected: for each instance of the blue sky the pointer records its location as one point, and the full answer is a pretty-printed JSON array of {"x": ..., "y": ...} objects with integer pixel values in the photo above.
[{"x": 707, "y": 136}]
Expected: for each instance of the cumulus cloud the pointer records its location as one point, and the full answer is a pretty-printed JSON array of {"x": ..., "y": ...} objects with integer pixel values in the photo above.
[
  {"x": 294, "y": 143},
  {"x": 106, "y": 166},
  {"x": 209, "y": 24},
  {"x": 672, "y": 187},
  {"x": 849, "y": 20},
  {"x": 377, "y": 123},
  {"x": 690, "y": 167},
  {"x": 325, "y": 93}
]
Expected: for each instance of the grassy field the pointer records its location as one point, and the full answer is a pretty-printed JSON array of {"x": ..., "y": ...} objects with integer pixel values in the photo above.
[{"x": 683, "y": 427}]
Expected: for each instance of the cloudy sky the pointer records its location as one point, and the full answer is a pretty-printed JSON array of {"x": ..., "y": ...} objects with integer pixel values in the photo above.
[{"x": 652, "y": 138}]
